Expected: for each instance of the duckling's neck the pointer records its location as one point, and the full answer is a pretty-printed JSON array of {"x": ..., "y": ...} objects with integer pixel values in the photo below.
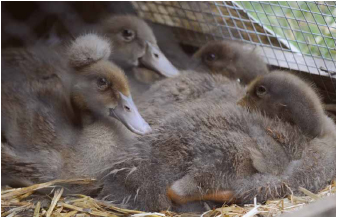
[
  {"x": 87, "y": 117},
  {"x": 84, "y": 115},
  {"x": 312, "y": 120},
  {"x": 329, "y": 127}
]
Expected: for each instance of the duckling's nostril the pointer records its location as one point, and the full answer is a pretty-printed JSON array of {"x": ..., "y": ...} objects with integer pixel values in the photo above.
[
  {"x": 156, "y": 55},
  {"x": 127, "y": 108}
]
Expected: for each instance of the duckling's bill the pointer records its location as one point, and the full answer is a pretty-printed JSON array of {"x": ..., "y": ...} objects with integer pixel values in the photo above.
[
  {"x": 156, "y": 60},
  {"x": 127, "y": 112}
]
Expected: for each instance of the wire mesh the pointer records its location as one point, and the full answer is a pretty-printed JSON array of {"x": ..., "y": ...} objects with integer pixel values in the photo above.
[{"x": 292, "y": 35}]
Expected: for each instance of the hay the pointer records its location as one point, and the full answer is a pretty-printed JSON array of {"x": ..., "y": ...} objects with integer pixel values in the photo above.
[{"x": 26, "y": 202}]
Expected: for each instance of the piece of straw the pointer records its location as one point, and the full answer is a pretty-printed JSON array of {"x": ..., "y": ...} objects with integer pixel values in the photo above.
[
  {"x": 37, "y": 209},
  {"x": 95, "y": 213},
  {"x": 309, "y": 193},
  {"x": 57, "y": 195},
  {"x": 40, "y": 186}
]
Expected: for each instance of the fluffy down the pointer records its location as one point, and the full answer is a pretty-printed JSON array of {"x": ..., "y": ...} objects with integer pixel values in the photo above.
[{"x": 88, "y": 49}]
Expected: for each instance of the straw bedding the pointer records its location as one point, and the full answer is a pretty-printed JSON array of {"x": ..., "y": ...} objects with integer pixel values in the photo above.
[{"x": 28, "y": 202}]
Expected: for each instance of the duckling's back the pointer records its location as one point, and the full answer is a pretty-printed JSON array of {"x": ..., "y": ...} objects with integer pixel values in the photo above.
[
  {"x": 173, "y": 94},
  {"x": 212, "y": 143},
  {"x": 36, "y": 108}
]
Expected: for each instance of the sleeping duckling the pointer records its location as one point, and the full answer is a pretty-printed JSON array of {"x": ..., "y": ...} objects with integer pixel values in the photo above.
[
  {"x": 134, "y": 43},
  {"x": 312, "y": 164},
  {"x": 297, "y": 104},
  {"x": 230, "y": 59},
  {"x": 224, "y": 152},
  {"x": 293, "y": 100}
]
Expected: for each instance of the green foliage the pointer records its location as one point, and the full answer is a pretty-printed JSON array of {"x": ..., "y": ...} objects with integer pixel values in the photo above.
[{"x": 309, "y": 26}]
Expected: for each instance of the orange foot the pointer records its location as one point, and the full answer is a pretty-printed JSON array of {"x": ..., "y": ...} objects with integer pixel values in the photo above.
[{"x": 220, "y": 196}]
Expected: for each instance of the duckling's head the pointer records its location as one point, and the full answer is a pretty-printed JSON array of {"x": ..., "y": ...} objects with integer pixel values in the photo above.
[
  {"x": 101, "y": 87},
  {"x": 283, "y": 95},
  {"x": 230, "y": 59},
  {"x": 135, "y": 42}
]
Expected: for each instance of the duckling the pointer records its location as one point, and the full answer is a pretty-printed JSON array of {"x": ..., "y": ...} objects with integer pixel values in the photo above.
[
  {"x": 311, "y": 165},
  {"x": 195, "y": 152},
  {"x": 298, "y": 104},
  {"x": 30, "y": 86},
  {"x": 134, "y": 43},
  {"x": 37, "y": 115},
  {"x": 111, "y": 88},
  {"x": 164, "y": 97},
  {"x": 41, "y": 113},
  {"x": 169, "y": 44},
  {"x": 98, "y": 87},
  {"x": 230, "y": 59},
  {"x": 166, "y": 41},
  {"x": 223, "y": 152}
]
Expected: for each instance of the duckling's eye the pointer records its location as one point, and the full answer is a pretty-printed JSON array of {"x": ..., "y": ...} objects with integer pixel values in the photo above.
[
  {"x": 102, "y": 83},
  {"x": 211, "y": 57},
  {"x": 128, "y": 35},
  {"x": 261, "y": 90}
]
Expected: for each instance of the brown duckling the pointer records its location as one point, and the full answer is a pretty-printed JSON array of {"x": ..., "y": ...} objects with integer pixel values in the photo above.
[
  {"x": 41, "y": 114},
  {"x": 111, "y": 86},
  {"x": 134, "y": 42},
  {"x": 98, "y": 137},
  {"x": 208, "y": 150},
  {"x": 230, "y": 59},
  {"x": 37, "y": 113}
]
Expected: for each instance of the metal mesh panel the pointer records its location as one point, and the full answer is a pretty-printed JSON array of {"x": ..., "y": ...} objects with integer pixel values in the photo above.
[{"x": 292, "y": 35}]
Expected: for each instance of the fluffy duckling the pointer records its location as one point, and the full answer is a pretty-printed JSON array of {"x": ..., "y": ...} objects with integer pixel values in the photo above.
[
  {"x": 297, "y": 104},
  {"x": 30, "y": 88},
  {"x": 135, "y": 42},
  {"x": 134, "y": 45},
  {"x": 37, "y": 113},
  {"x": 105, "y": 85},
  {"x": 97, "y": 87},
  {"x": 166, "y": 96},
  {"x": 223, "y": 152},
  {"x": 230, "y": 59},
  {"x": 41, "y": 113},
  {"x": 291, "y": 99},
  {"x": 222, "y": 59},
  {"x": 312, "y": 161}
]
